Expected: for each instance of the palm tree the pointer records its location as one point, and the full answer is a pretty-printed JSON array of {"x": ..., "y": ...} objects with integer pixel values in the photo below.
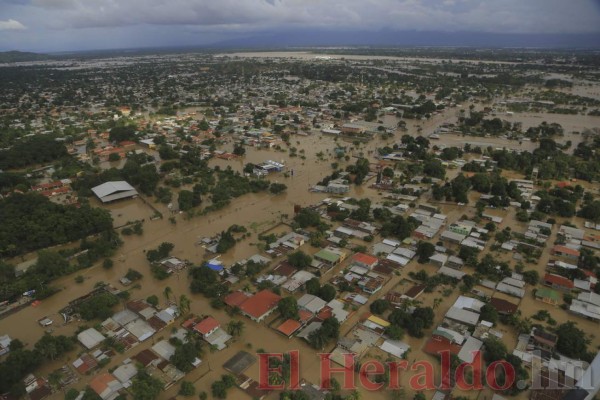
[
  {"x": 355, "y": 395},
  {"x": 437, "y": 302},
  {"x": 235, "y": 327},
  {"x": 184, "y": 304},
  {"x": 168, "y": 292}
]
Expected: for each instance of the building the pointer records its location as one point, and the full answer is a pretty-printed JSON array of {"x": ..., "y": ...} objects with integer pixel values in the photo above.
[
  {"x": 438, "y": 259},
  {"x": 462, "y": 316},
  {"x": 106, "y": 386},
  {"x": 207, "y": 326},
  {"x": 452, "y": 237},
  {"x": 330, "y": 256},
  {"x": 90, "y": 338},
  {"x": 586, "y": 305},
  {"x": 469, "y": 349},
  {"x": 260, "y": 306},
  {"x": 503, "y": 307},
  {"x": 289, "y": 327},
  {"x": 5, "y": 344},
  {"x": 116, "y": 190},
  {"x": 558, "y": 282},
  {"x": 365, "y": 260},
  {"x": 564, "y": 251},
  {"x": 311, "y": 303},
  {"x": 547, "y": 295}
]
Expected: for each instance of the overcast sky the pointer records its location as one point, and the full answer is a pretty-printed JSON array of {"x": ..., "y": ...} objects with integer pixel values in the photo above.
[{"x": 63, "y": 25}]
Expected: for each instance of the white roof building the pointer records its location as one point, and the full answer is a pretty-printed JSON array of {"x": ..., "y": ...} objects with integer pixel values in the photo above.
[
  {"x": 116, "y": 190},
  {"x": 90, "y": 338},
  {"x": 463, "y": 316},
  {"x": 125, "y": 374},
  {"x": 467, "y": 352},
  {"x": 311, "y": 303},
  {"x": 164, "y": 349},
  {"x": 140, "y": 329}
]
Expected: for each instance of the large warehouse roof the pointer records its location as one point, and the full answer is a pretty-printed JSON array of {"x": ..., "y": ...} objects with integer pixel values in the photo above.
[{"x": 116, "y": 190}]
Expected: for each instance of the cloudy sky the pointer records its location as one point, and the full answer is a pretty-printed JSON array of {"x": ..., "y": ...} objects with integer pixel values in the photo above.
[{"x": 64, "y": 25}]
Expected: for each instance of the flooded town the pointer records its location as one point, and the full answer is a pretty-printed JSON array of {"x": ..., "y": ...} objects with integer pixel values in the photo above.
[{"x": 175, "y": 225}]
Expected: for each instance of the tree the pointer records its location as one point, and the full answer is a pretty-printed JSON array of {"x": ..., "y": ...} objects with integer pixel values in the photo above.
[
  {"x": 185, "y": 200},
  {"x": 327, "y": 292},
  {"x": 107, "y": 263},
  {"x": 495, "y": 350},
  {"x": 145, "y": 387},
  {"x": 114, "y": 157},
  {"x": 424, "y": 251},
  {"x": 489, "y": 313},
  {"x": 184, "y": 304},
  {"x": 299, "y": 259},
  {"x": 187, "y": 389},
  {"x": 239, "y": 150},
  {"x": 51, "y": 264},
  {"x": 379, "y": 306},
  {"x": 235, "y": 327},
  {"x": 226, "y": 241},
  {"x": 288, "y": 308},
  {"x": 307, "y": 217},
  {"x": 590, "y": 211},
  {"x": 394, "y": 332},
  {"x": 51, "y": 347},
  {"x": 185, "y": 354},
  {"x": 277, "y": 188},
  {"x": 572, "y": 341},
  {"x": 152, "y": 300},
  {"x": 167, "y": 292},
  {"x": 313, "y": 286},
  {"x": 219, "y": 390},
  {"x": 122, "y": 133},
  {"x": 434, "y": 168},
  {"x": 162, "y": 251},
  {"x": 532, "y": 277}
]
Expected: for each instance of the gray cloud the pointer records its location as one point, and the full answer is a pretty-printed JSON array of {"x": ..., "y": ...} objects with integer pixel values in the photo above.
[
  {"x": 491, "y": 16},
  {"x": 81, "y": 24}
]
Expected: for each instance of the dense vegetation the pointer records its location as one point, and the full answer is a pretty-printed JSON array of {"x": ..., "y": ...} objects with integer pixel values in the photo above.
[
  {"x": 32, "y": 151},
  {"x": 21, "y": 361},
  {"x": 30, "y": 221}
]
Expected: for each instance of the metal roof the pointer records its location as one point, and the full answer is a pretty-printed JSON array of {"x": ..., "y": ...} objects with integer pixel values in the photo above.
[{"x": 108, "y": 188}]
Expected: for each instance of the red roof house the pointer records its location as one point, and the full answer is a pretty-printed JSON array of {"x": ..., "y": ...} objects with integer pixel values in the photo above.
[
  {"x": 259, "y": 306},
  {"x": 207, "y": 326},
  {"x": 235, "y": 299},
  {"x": 565, "y": 251},
  {"x": 289, "y": 327},
  {"x": 558, "y": 282},
  {"x": 365, "y": 260}
]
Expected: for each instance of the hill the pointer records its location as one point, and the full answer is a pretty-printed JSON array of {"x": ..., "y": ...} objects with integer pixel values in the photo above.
[{"x": 21, "y": 56}]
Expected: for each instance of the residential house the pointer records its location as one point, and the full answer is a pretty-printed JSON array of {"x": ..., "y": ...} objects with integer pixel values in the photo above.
[
  {"x": 564, "y": 251},
  {"x": 558, "y": 282},
  {"x": 106, "y": 386},
  {"x": 5, "y": 344},
  {"x": 207, "y": 326},
  {"x": 365, "y": 260},
  {"x": 330, "y": 256},
  {"x": 260, "y": 306},
  {"x": 547, "y": 295}
]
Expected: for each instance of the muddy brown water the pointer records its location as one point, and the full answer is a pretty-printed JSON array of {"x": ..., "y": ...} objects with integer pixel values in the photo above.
[{"x": 257, "y": 212}]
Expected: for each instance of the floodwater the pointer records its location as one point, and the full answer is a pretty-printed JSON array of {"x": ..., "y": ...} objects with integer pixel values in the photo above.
[
  {"x": 259, "y": 212},
  {"x": 307, "y": 55}
]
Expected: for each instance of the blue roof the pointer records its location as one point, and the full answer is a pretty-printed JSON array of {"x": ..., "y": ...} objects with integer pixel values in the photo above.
[{"x": 215, "y": 267}]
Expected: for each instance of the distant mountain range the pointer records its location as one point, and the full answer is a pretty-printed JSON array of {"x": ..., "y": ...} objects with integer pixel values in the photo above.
[
  {"x": 412, "y": 38},
  {"x": 21, "y": 56},
  {"x": 289, "y": 39}
]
